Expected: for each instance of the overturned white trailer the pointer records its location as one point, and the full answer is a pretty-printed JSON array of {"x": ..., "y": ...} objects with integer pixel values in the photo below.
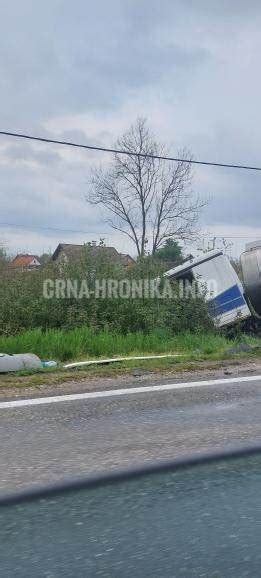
[{"x": 223, "y": 290}]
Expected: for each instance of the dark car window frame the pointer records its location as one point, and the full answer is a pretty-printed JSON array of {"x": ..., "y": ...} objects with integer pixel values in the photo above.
[{"x": 121, "y": 476}]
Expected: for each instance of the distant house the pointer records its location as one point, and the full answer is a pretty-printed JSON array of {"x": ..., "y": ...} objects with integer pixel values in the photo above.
[
  {"x": 67, "y": 253},
  {"x": 25, "y": 262}
]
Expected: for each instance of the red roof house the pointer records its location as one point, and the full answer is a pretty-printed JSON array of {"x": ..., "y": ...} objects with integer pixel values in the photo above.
[{"x": 26, "y": 262}]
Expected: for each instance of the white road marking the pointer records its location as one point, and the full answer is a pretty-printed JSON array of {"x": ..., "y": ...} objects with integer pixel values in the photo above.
[{"x": 126, "y": 391}]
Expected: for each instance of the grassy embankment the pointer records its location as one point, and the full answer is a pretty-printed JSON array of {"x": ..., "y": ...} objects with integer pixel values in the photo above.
[{"x": 84, "y": 343}]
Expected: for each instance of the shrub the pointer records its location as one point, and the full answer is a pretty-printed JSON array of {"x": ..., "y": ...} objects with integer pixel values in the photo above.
[{"x": 23, "y": 306}]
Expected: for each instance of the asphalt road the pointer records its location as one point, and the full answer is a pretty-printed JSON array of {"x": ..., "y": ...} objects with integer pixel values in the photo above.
[
  {"x": 52, "y": 441},
  {"x": 198, "y": 522}
]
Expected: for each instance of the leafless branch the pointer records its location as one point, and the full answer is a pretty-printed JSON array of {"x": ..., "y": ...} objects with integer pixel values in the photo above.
[{"x": 144, "y": 194}]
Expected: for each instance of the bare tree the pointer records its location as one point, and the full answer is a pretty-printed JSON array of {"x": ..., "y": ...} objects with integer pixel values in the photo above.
[{"x": 149, "y": 199}]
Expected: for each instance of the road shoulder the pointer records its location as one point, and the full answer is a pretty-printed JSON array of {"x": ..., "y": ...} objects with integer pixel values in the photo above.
[{"x": 86, "y": 381}]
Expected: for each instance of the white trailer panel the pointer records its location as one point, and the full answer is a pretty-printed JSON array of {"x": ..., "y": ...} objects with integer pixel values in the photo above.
[{"x": 222, "y": 287}]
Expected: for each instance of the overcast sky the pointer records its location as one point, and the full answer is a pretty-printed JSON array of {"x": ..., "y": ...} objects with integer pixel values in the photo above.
[{"x": 84, "y": 71}]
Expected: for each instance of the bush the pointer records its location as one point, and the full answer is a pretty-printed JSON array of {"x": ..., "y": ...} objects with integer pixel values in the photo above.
[{"x": 23, "y": 306}]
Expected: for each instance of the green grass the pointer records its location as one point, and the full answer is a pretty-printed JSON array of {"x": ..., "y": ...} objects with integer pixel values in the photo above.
[
  {"x": 201, "y": 350},
  {"x": 83, "y": 342}
]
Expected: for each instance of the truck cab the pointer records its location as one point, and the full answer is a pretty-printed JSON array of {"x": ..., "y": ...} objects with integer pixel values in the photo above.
[{"x": 220, "y": 284}]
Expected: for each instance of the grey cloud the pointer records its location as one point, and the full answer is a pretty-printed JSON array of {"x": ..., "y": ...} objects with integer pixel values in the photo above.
[
  {"x": 80, "y": 137},
  {"x": 64, "y": 58},
  {"x": 192, "y": 68},
  {"x": 235, "y": 199},
  {"x": 23, "y": 151},
  {"x": 47, "y": 198}
]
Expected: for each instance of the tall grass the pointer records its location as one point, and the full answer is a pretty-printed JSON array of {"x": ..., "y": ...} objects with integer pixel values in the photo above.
[{"x": 64, "y": 345}]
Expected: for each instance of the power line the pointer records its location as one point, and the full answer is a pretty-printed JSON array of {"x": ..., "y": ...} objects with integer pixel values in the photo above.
[
  {"x": 124, "y": 152},
  {"x": 60, "y": 230},
  {"x": 80, "y": 231}
]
